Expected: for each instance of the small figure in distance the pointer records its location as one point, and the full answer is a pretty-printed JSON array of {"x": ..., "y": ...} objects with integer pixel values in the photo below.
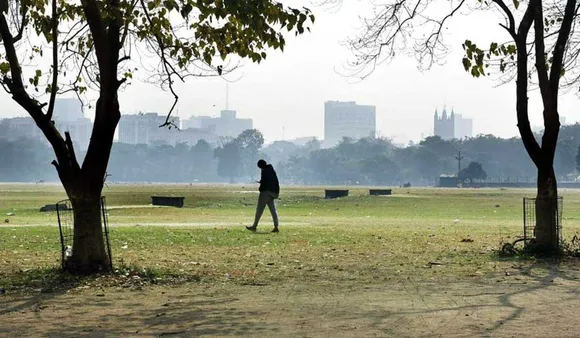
[{"x": 269, "y": 192}]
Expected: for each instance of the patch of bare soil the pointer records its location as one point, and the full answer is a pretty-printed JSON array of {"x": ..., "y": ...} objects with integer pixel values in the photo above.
[{"x": 501, "y": 306}]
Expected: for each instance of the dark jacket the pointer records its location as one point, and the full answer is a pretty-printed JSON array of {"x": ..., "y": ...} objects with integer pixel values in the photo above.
[{"x": 269, "y": 180}]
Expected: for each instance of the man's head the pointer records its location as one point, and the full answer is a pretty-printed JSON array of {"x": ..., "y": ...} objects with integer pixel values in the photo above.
[{"x": 262, "y": 164}]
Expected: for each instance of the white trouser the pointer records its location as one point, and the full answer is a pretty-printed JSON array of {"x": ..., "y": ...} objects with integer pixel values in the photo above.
[{"x": 266, "y": 198}]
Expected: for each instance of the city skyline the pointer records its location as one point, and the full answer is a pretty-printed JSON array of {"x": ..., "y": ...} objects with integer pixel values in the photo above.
[{"x": 291, "y": 87}]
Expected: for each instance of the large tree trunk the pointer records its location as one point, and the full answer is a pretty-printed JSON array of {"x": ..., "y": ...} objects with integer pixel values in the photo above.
[
  {"x": 88, "y": 252},
  {"x": 84, "y": 186},
  {"x": 547, "y": 223}
]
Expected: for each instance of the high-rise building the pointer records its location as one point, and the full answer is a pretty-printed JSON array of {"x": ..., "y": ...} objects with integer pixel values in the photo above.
[
  {"x": 68, "y": 116},
  {"x": 227, "y": 125},
  {"x": 143, "y": 128},
  {"x": 67, "y": 109},
  {"x": 348, "y": 119},
  {"x": 452, "y": 126}
]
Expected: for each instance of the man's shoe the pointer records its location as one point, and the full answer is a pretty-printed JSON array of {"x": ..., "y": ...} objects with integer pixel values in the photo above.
[
  {"x": 251, "y": 228},
  {"x": 275, "y": 229}
]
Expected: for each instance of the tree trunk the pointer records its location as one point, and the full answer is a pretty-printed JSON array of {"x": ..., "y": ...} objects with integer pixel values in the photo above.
[
  {"x": 84, "y": 186},
  {"x": 88, "y": 252},
  {"x": 546, "y": 231}
]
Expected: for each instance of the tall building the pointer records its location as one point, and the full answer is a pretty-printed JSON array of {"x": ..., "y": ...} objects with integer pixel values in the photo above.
[
  {"x": 67, "y": 109},
  {"x": 348, "y": 119},
  {"x": 452, "y": 126},
  {"x": 68, "y": 116},
  {"x": 80, "y": 131},
  {"x": 227, "y": 125},
  {"x": 143, "y": 128}
]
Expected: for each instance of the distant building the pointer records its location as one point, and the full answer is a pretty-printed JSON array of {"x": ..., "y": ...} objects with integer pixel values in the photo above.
[
  {"x": 67, "y": 116},
  {"x": 67, "y": 109},
  {"x": 348, "y": 119},
  {"x": 452, "y": 126},
  {"x": 22, "y": 127},
  {"x": 143, "y": 128},
  {"x": 227, "y": 125},
  {"x": 80, "y": 131}
]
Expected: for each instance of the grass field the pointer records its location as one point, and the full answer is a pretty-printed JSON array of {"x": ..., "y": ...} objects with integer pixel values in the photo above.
[{"x": 422, "y": 262}]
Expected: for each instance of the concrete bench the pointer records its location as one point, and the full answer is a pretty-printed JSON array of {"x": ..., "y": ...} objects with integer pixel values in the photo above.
[
  {"x": 171, "y": 201},
  {"x": 52, "y": 207},
  {"x": 380, "y": 192},
  {"x": 335, "y": 193}
]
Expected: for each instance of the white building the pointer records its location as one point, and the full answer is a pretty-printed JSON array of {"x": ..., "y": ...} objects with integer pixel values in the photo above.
[
  {"x": 227, "y": 125},
  {"x": 348, "y": 119},
  {"x": 463, "y": 127},
  {"x": 143, "y": 128}
]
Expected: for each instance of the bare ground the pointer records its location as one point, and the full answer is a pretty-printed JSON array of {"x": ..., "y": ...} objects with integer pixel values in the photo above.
[{"x": 494, "y": 306}]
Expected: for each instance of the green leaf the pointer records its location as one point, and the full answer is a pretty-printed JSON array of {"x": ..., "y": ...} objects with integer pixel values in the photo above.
[
  {"x": 516, "y": 3},
  {"x": 4, "y": 67},
  {"x": 466, "y": 64}
]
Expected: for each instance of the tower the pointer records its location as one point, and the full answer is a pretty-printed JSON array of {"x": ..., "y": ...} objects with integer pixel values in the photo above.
[{"x": 444, "y": 127}]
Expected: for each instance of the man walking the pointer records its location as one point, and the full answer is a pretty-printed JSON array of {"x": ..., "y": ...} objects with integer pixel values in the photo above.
[{"x": 269, "y": 191}]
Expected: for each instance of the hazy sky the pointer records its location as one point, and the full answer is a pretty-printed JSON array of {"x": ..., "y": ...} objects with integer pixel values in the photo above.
[{"x": 288, "y": 90}]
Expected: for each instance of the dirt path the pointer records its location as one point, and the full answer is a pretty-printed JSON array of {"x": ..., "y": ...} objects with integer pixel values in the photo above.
[{"x": 504, "y": 307}]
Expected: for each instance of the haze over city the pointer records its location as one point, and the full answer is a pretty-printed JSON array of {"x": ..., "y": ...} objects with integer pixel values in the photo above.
[{"x": 285, "y": 95}]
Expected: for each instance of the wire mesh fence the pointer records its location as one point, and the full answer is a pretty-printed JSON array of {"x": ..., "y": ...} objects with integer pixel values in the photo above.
[
  {"x": 65, "y": 215},
  {"x": 554, "y": 217}
]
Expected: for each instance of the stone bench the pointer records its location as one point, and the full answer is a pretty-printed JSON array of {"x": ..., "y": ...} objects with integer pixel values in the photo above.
[
  {"x": 52, "y": 207},
  {"x": 335, "y": 193},
  {"x": 380, "y": 192},
  {"x": 171, "y": 201}
]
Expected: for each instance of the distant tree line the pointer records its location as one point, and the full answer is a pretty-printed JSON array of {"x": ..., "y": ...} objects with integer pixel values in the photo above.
[{"x": 368, "y": 161}]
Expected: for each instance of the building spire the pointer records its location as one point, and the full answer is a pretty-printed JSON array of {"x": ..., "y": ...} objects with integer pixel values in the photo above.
[{"x": 436, "y": 114}]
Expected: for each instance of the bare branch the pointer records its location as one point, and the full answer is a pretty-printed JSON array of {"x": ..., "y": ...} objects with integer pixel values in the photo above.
[
  {"x": 72, "y": 156},
  {"x": 166, "y": 65},
  {"x": 391, "y": 28},
  {"x": 54, "y": 87},
  {"x": 22, "y": 26},
  {"x": 98, "y": 32},
  {"x": 560, "y": 47},
  {"x": 528, "y": 138},
  {"x": 541, "y": 68},
  {"x": 511, "y": 28}
]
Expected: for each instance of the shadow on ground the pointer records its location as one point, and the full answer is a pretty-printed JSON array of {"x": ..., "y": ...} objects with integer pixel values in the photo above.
[{"x": 536, "y": 299}]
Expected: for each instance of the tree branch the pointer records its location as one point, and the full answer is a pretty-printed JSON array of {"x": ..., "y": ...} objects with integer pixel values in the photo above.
[
  {"x": 560, "y": 48},
  {"x": 541, "y": 68},
  {"x": 530, "y": 143},
  {"x": 72, "y": 156},
  {"x": 20, "y": 33},
  {"x": 166, "y": 66},
  {"x": 98, "y": 32},
  {"x": 511, "y": 28},
  {"x": 19, "y": 94},
  {"x": 54, "y": 86}
]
